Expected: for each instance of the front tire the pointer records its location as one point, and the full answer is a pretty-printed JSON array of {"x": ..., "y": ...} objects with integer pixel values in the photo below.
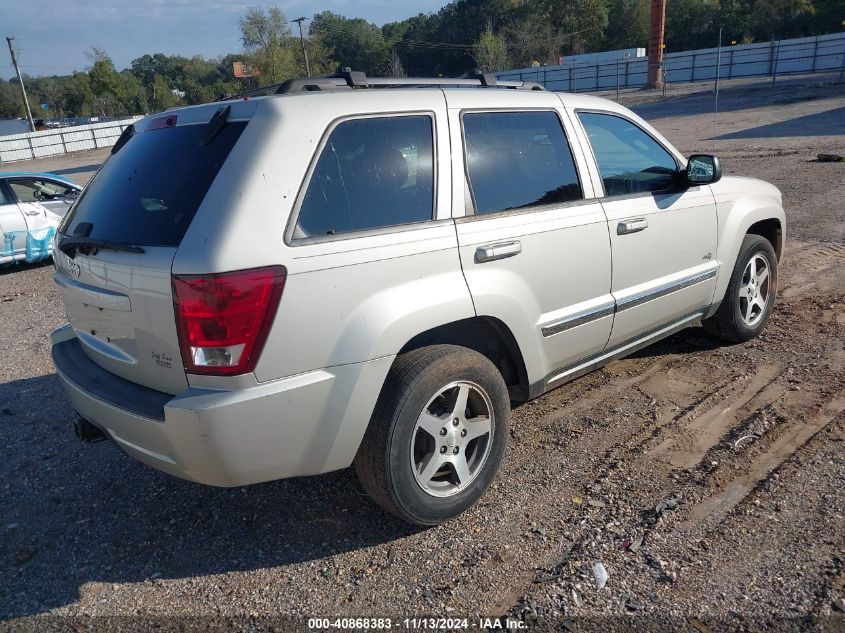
[
  {"x": 437, "y": 435},
  {"x": 751, "y": 293}
]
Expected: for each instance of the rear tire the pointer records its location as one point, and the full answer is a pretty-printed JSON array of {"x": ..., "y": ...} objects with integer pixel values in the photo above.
[
  {"x": 437, "y": 435},
  {"x": 751, "y": 293}
]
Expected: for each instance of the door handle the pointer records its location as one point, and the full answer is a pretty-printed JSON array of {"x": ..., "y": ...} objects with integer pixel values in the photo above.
[
  {"x": 492, "y": 252},
  {"x": 33, "y": 212},
  {"x": 631, "y": 226}
]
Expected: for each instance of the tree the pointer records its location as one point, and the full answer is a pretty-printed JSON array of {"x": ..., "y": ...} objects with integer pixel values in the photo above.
[
  {"x": 690, "y": 24},
  {"x": 352, "y": 42},
  {"x": 531, "y": 37},
  {"x": 78, "y": 96},
  {"x": 266, "y": 36},
  {"x": 105, "y": 84},
  {"x": 394, "y": 65},
  {"x": 580, "y": 24},
  {"x": 162, "y": 96},
  {"x": 490, "y": 52},
  {"x": 785, "y": 18},
  {"x": 627, "y": 24},
  {"x": 10, "y": 101}
]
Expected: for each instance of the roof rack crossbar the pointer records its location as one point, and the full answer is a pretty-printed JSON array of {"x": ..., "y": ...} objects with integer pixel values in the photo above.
[
  {"x": 486, "y": 79},
  {"x": 348, "y": 79},
  {"x": 310, "y": 84}
]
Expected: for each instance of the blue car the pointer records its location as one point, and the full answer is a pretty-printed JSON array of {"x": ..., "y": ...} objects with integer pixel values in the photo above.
[{"x": 31, "y": 207}]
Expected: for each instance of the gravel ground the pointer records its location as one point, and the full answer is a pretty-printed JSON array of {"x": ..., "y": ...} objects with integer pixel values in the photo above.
[{"x": 707, "y": 481}]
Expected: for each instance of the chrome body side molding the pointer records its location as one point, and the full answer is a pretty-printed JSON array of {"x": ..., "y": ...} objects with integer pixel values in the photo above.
[
  {"x": 606, "y": 308},
  {"x": 650, "y": 294},
  {"x": 586, "y": 365},
  {"x": 578, "y": 318}
]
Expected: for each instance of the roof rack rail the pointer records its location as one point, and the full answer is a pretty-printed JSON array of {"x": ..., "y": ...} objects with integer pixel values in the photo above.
[{"x": 347, "y": 79}]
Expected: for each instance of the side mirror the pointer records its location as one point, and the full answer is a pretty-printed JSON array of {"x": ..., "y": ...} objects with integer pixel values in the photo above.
[{"x": 703, "y": 169}]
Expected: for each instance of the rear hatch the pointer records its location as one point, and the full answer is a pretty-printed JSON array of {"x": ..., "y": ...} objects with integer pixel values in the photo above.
[{"x": 118, "y": 295}]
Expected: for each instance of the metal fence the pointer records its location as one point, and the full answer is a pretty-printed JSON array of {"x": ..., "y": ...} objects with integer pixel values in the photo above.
[
  {"x": 823, "y": 53},
  {"x": 31, "y": 145}
]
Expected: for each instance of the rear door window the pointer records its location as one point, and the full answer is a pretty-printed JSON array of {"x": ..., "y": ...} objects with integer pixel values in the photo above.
[
  {"x": 148, "y": 192},
  {"x": 372, "y": 173},
  {"x": 517, "y": 160}
]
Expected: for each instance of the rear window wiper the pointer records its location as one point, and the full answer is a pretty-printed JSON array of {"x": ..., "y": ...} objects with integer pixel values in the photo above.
[
  {"x": 90, "y": 246},
  {"x": 216, "y": 123}
]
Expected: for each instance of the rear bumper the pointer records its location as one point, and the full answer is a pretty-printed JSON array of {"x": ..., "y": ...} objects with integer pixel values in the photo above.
[{"x": 301, "y": 425}]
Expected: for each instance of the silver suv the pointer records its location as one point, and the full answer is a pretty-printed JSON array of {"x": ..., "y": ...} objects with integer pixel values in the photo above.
[{"x": 369, "y": 271}]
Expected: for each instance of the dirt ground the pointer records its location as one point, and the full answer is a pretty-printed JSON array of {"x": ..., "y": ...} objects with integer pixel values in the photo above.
[{"x": 708, "y": 480}]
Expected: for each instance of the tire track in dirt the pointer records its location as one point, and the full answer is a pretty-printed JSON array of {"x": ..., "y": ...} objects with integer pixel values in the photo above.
[
  {"x": 791, "y": 439},
  {"x": 706, "y": 430},
  {"x": 810, "y": 266}
]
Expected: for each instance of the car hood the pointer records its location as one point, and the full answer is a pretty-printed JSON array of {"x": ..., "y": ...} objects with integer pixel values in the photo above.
[{"x": 739, "y": 185}]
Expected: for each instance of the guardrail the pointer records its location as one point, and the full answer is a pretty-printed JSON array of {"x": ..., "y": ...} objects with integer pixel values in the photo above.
[
  {"x": 822, "y": 53},
  {"x": 63, "y": 140}
]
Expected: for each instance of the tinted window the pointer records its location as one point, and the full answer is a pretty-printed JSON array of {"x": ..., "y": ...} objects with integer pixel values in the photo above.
[
  {"x": 148, "y": 192},
  {"x": 39, "y": 190},
  {"x": 517, "y": 160},
  {"x": 4, "y": 199},
  {"x": 630, "y": 161},
  {"x": 372, "y": 173}
]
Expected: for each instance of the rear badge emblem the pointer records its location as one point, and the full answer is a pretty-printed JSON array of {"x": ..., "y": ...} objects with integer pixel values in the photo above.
[{"x": 73, "y": 268}]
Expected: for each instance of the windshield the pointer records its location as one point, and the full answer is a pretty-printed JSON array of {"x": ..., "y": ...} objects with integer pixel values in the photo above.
[{"x": 148, "y": 192}]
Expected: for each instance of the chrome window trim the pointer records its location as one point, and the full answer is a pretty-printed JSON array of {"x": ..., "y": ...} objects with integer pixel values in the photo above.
[
  {"x": 579, "y": 318},
  {"x": 290, "y": 238},
  {"x": 540, "y": 208},
  {"x": 664, "y": 289}
]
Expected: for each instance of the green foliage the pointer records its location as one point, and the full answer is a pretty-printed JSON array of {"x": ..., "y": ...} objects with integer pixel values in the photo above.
[
  {"x": 457, "y": 39},
  {"x": 627, "y": 23},
  {"x": 490, "y": 51},
  {"x": 352, "y": 42},
  {"x": 266, "y": 36}
]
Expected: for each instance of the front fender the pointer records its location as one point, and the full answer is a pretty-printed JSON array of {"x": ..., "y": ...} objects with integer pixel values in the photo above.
[{"x": 738, "y": 208}]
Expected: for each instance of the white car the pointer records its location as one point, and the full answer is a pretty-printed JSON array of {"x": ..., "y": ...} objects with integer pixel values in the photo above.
[
  {"x": 31, "y": 207},
  {"x": 368, "y": 271}
]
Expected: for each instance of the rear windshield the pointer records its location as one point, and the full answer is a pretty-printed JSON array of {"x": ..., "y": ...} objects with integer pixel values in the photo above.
[{"x": 148, "y": 192}]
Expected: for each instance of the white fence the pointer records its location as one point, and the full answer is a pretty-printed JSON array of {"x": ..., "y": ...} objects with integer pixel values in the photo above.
[
  {"x": 31, "y": 145},
  {"x": 823, "y": 53}
]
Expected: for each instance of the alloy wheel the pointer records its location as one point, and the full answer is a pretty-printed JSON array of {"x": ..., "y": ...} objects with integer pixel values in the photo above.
[{"x": 452, "y": 439}]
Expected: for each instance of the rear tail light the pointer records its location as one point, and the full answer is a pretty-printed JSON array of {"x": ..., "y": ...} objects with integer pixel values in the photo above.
[{"x": 223, "y": 320}]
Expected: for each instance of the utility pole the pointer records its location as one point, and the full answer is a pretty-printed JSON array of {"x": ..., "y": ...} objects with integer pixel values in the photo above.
[
  {"x": 20, "y": 83},
  {"x": 655, "y": 43},
  {"x": 299, "y": 21}
]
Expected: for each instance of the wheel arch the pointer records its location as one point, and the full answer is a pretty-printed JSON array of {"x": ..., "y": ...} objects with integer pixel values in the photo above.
[
  {"x": 772, "y": 230},
  {"x": 488, "y": 336}
]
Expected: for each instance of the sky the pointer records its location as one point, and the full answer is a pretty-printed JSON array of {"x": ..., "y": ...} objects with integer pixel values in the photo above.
[{"x": 53, "y": 35}]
